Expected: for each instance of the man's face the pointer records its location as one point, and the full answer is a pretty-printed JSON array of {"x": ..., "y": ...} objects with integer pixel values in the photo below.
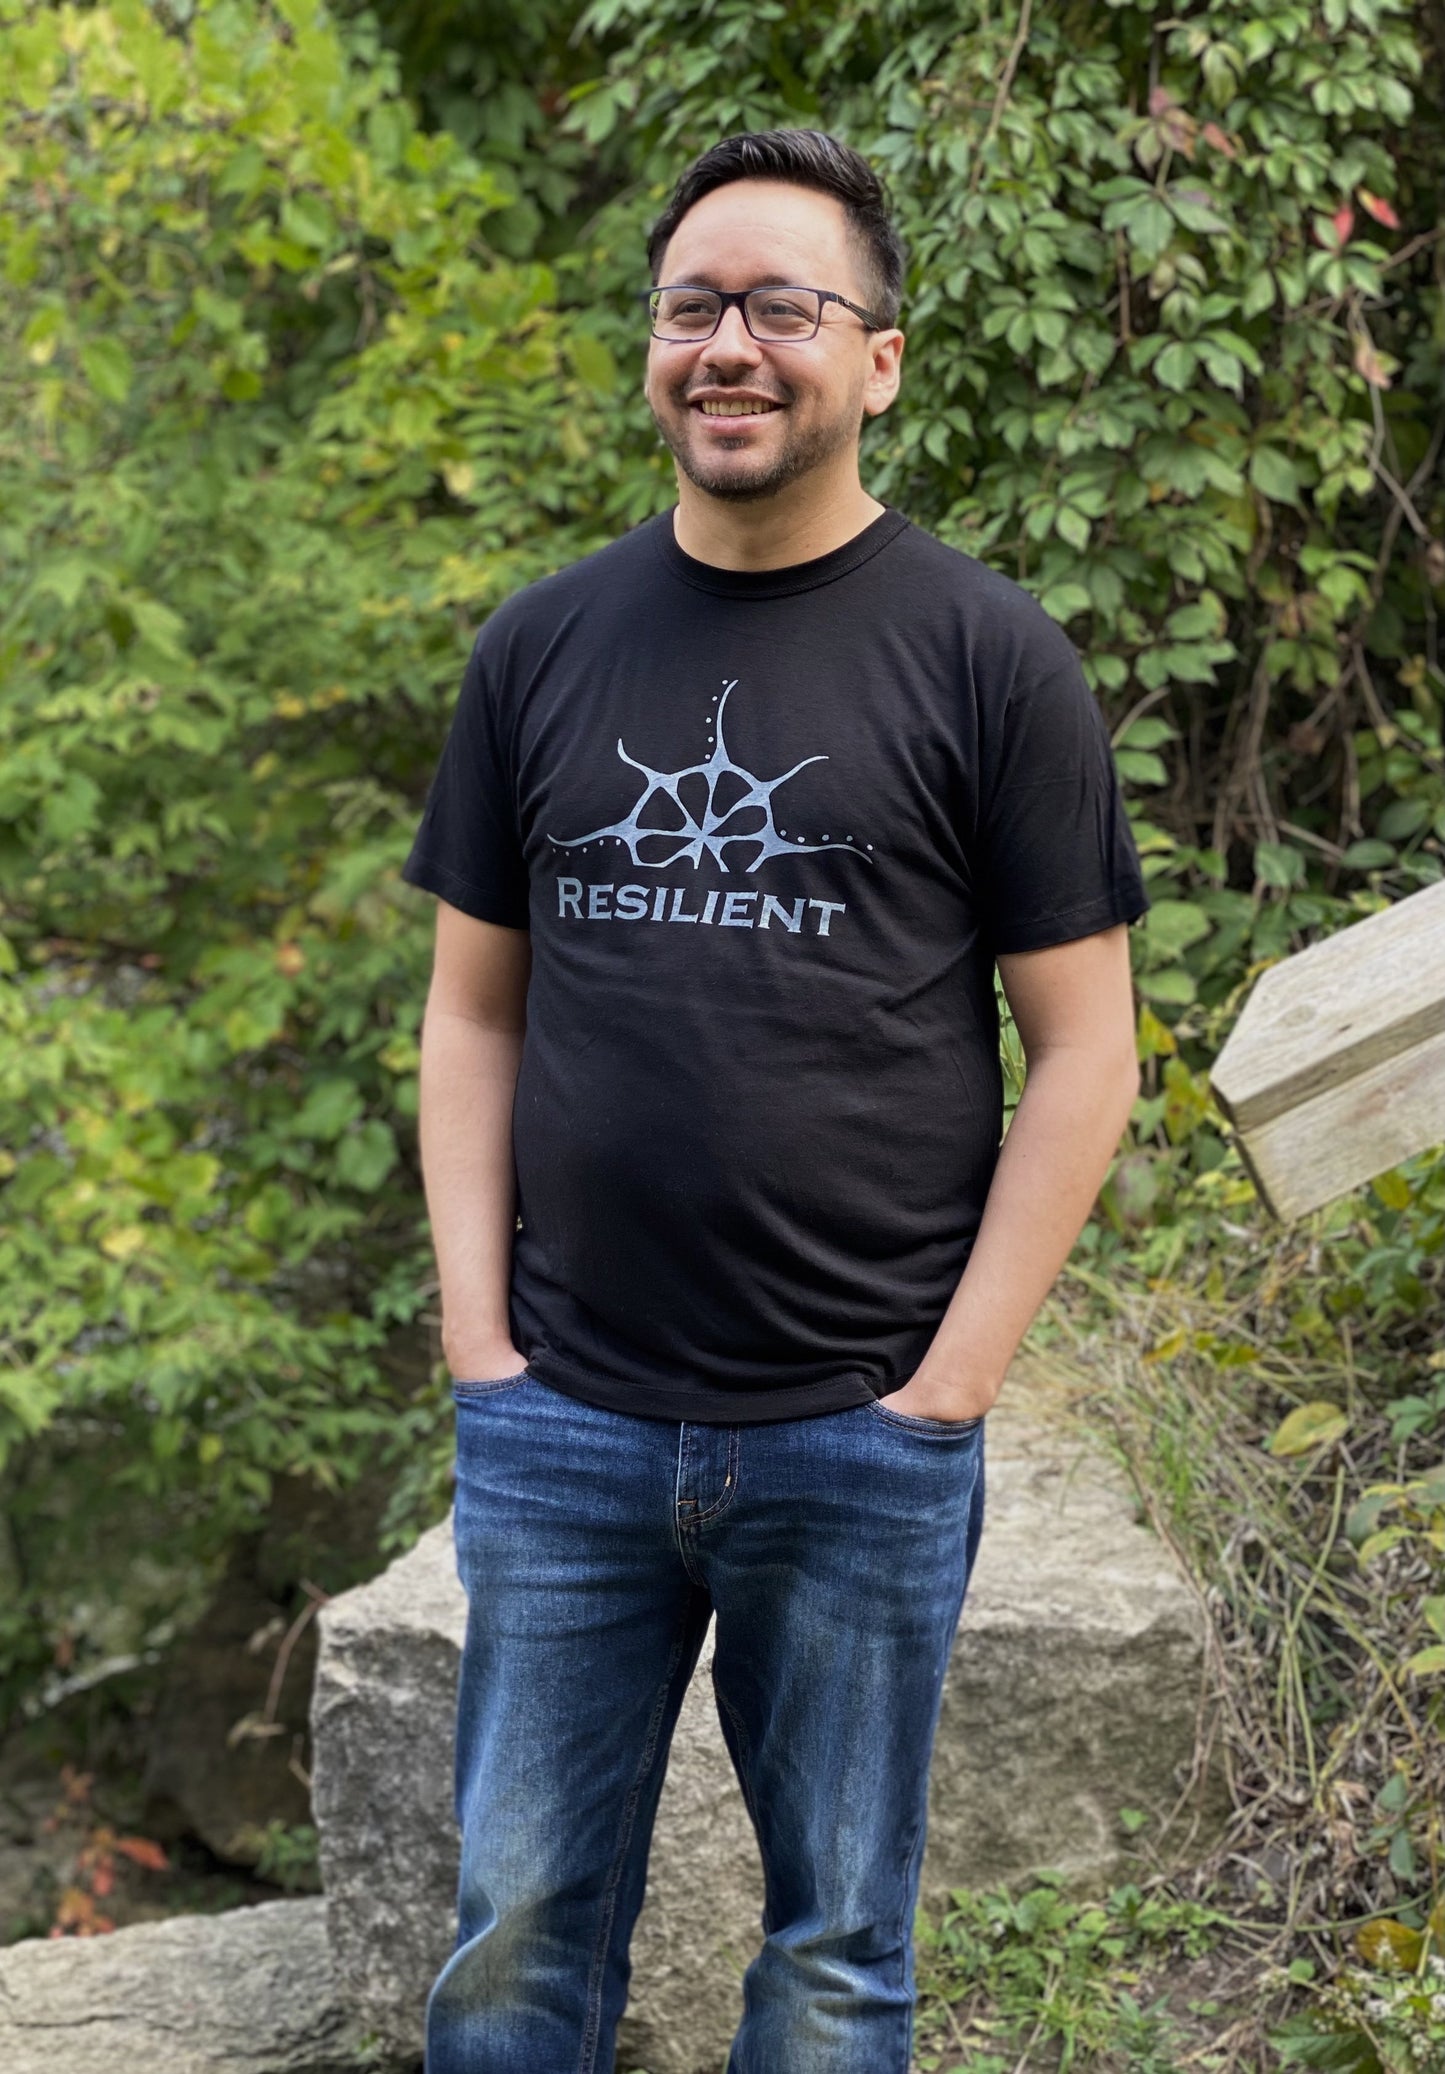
[{"x": 811, "y": 397}]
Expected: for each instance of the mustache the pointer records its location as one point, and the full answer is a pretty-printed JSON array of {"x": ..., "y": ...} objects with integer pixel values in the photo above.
[{"x": 686, "y": 395}]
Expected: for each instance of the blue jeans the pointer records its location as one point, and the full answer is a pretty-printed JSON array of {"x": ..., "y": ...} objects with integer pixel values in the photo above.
[{"x": 594, "y": 1546}]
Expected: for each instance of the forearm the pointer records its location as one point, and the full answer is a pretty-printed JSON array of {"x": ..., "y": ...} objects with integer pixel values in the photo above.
[
  {"x": 468, "y": 1079},
  {"x": 1054, "y": 1159}
]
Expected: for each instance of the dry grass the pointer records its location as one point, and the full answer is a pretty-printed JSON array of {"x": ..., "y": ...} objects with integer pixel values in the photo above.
[{"x": 1311, "y": 1715}]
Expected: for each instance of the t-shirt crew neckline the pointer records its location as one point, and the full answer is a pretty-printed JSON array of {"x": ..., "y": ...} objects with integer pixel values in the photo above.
[{"x": 787, "y": 581}]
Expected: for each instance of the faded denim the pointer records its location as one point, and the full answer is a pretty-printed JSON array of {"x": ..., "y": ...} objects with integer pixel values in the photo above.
[{"x": 594, "y": 1546}]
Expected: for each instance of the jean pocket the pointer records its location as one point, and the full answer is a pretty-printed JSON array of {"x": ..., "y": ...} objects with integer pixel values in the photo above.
[
  {"x": 946, "y": 1429},
  {"x": 461, "y": 1387}
]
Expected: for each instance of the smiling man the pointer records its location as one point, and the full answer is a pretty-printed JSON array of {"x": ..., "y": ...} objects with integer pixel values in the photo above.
[{"x": 735, "y": 822}]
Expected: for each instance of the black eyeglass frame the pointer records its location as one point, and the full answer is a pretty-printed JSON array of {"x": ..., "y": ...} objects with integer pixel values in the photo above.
[{"x": 728, "y": 297}]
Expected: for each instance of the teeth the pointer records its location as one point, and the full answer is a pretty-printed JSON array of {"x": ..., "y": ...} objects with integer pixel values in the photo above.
[{"x": 746, "y": 408}]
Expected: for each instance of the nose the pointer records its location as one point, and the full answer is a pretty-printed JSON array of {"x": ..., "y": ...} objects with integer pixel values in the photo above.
[{"x": 732, "y": 342}]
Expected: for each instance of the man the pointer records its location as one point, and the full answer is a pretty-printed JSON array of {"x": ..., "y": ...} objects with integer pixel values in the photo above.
[{"x": 734, "y": 819}]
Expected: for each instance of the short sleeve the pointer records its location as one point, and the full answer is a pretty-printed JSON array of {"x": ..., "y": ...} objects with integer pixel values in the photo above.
[
  {"x": 468, "y": 849},
  {"x": 1057, "y": 855}
]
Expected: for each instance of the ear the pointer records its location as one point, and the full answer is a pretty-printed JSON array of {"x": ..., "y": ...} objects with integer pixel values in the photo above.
[{"x": 885, "y": 372}]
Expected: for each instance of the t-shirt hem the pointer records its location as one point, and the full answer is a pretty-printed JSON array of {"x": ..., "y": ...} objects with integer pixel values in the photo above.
[
  {"x": 459, "y": 892},
  {"x": 701, "y": 1405},
  {"x": 1071, "y": 923}
]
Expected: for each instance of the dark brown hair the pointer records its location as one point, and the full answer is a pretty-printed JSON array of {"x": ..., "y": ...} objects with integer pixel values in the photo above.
[{"x": 806, "y": 158}]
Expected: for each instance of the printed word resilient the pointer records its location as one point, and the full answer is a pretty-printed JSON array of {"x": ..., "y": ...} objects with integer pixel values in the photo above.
[{"x": 610, "y": 903}]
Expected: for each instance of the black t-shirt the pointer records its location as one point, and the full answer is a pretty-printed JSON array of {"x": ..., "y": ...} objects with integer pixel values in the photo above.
[{"x": 768, "y": 831}]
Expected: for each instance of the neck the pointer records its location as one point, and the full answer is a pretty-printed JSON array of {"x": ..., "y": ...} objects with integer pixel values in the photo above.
[{"x": 804, "y": 520}]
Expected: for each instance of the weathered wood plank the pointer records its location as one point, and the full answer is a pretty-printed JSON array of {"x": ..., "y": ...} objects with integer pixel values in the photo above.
[
  {"x": 1320, "y": 1019},
  {"x": 1326, "y": 1147},
  {"x": 1335, "y": 1070}
]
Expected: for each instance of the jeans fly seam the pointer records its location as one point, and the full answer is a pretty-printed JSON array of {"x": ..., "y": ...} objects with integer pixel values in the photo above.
[
  {"x": 587, "y": 2062},
  {"x": 729, "y": 1490}
]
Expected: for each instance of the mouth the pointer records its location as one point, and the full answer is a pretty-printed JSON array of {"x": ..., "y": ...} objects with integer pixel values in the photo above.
[{"x": 735, "y": 410}]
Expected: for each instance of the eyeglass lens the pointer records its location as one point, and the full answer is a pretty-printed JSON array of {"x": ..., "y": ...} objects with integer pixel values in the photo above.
[{"x": 770, "y": 313}]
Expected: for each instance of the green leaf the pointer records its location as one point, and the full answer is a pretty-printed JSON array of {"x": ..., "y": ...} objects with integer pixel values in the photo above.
[
  {"x": 1309, "y": 1426},
  {"x": 1147, "y": 732},
  {"x": 1169, "y": 984},
  {"x": 332, "y": 1104},
  {"x": 1202, "y": 620},
  {"x": 1140, "y": 767},
  {"x": 306, "y": 219},
  {"x": 1063, "y": 601},
  {"x": 1363, "y": 1518},
  {"x": 1170, "y": 926},
  {"x": 365, "y": 1157},
  {"x": 1175, "y": 366},
  {"x": 594, "y": 363},
  {"x": 108, "y": 368},
  {"x": 1274, "y": 475},
  {"x": 1071, "y": 525},
  {"x": 1367, "y": 854},
  {"x": 1279, "y": 864}
]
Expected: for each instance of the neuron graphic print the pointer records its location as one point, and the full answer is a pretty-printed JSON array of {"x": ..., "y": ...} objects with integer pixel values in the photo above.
[{"x": 728, "y": 807}]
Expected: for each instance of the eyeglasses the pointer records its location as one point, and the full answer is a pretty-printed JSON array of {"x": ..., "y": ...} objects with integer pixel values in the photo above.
[{"x": 684, "y": 315}]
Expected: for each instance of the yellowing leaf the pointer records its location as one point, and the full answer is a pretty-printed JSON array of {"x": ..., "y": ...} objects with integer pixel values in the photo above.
[
  {"x": 1426, "y": 1662},
  {"x": 1154, "y": 1036},
  {"x": 123, "y": 1241},
  {"x": 1392, "y": 1188},
  {"x": 1388, "y": 1537},
  {"x": 1309, "y": 1426},
  {"x": 1389, "y": 1945}
]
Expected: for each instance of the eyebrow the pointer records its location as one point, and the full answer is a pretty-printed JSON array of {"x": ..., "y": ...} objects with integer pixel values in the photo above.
[{"x": 706, "y": 279}]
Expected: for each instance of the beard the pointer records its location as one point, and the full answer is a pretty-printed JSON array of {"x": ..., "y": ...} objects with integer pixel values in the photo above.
[{"x": 796, "y": 454}]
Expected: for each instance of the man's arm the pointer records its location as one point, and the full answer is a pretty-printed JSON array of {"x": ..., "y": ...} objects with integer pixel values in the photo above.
[
  {"x": 1074, "y": 1007},
  {"x": 471, "y": 1046}
]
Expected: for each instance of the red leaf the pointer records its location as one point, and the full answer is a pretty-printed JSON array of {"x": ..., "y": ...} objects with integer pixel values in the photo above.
[
  {"x": 1344, "y": 222},
  {"x": 1381, "y": 211},
  {"x": 1160, "y": 100},
  {"x": 1213, "y": 134},
  {"x": 142, "y": 1851},
  {"x": 1369, "y": 364}
]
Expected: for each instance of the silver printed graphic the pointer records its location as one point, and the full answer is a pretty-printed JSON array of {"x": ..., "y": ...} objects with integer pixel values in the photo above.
[{"x": 715, "y": 827}]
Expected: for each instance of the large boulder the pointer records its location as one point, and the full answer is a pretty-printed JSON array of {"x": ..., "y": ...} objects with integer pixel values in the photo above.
[
  {"x": 1073, "y": 1694},
  {"x": 247, "y": 1992}
]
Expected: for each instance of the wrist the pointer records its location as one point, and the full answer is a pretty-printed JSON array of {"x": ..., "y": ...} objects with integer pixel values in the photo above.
[
  {"x": 479, "y": 1352},
  {"x": 933, "y": 1394}
]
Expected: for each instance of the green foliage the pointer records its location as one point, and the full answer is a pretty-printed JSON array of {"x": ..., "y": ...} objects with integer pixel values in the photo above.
[
  {"x": 1372, "y": 2020},
  {"x": 1065, "y": 1977},
  {"x": 278, "y": 424},
  {"x": 289, "y": 1856}
]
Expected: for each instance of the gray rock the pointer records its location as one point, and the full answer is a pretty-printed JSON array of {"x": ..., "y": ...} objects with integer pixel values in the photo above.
[
  {"x": 1073, "y": 1694},
  {"x": 1075, "y": 1689},
  {"x": 247, "y": 1992},
  {"x": 382, "y": 1731}
]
